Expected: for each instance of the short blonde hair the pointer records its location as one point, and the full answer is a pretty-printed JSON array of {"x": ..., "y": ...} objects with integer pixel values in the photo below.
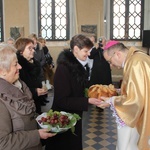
[
  {"x": 33, "y": 35},
  {"x": 7, "y": 55}
]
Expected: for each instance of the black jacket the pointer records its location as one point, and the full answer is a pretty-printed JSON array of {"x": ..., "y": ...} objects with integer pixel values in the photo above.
[
  {"x": 39, "y": 54},
  {"x": 101, "y": 72},
  {"x": 48, "y": 57},
  {"x": 32, "y": 75},
  {"x": 70, "y": 81}
]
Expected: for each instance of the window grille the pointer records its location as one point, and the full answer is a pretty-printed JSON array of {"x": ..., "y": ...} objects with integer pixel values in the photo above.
[
  {"x": 53, "y": 19},
  {"x": 126, "y": 19}
]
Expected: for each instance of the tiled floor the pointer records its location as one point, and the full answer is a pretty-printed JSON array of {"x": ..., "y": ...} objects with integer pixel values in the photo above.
[{"x": 99, "y": 128}]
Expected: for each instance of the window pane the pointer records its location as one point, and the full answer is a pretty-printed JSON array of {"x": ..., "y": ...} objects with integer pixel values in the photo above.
[
  {"x": 119, "y": 19},
  {"x": 134, "y": 19},
  {"x": 126, "y": 22},
  {"x": 54, "y": 16}
]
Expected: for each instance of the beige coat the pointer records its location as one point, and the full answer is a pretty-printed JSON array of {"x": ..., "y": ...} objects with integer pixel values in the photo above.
[{"x": 18, "y": 128}]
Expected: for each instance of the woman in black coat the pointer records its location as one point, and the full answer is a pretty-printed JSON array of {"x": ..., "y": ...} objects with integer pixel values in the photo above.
[
  {"x": 31, "y": 72},
  {"x": 70, "y": 81},
  {"x": 101, "y": 71}
]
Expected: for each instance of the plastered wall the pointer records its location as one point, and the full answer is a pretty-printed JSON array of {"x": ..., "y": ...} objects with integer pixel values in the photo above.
[
  {"x": 90, "y": 12},
  {"x": 16, "y": 14}
]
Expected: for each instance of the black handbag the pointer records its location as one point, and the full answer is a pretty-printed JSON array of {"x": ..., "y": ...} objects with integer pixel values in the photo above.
[{"x": 49, "y": 59}]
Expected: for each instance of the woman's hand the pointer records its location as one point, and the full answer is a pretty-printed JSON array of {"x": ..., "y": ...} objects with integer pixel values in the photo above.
[
  {"x": 94, "y": 101},
  {"x": 104, "y": 98},
  {"x": 104, "y": 102},
  {"x": 44, "y": 133},
  {"x": 41, "y": 91},
  {"x": 103, "y": 105}
]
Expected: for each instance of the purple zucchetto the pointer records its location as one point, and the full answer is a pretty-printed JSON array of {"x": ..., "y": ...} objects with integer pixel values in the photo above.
[{"x": 110, "y": 44}]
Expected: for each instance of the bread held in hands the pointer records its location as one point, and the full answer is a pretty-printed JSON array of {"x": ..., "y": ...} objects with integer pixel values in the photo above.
[{"x": 98, "y": 90}]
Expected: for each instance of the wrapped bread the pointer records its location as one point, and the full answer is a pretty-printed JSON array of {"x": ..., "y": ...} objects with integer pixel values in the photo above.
[{"x": 98, "y": 90}]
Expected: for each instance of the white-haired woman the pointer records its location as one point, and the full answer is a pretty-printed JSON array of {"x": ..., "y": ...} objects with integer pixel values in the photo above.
[{"x": 18, "y": 128}]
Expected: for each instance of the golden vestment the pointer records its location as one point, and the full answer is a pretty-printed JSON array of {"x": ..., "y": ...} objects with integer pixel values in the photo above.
[{"x": 133, "y": 105}]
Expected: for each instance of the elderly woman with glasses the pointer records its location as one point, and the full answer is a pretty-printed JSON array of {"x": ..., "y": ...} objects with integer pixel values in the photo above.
[
  {"x": 18, "y": 128},
  {"x": 31, "y": 72}
]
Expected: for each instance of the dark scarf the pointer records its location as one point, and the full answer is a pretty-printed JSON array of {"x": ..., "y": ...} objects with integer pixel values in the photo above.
[{"x": 33, "y": 69}]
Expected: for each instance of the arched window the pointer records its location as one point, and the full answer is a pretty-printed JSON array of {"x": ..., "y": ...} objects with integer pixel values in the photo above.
[
  {"x": 53, "y": 19},
  {"x": 126, "y": 19}
]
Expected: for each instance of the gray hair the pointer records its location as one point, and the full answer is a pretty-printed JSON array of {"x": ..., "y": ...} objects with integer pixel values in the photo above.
[
  {"x": 10, "y": 39},
  {"x": 7, "y": 55}
]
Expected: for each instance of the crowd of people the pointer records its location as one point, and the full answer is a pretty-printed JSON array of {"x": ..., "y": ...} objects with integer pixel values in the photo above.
[
  {"x": 26, "y": 64},
  {"x": 18, "y": 128}
]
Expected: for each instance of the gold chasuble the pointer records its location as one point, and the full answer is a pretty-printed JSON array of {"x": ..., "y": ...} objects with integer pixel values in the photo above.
[{"x": 133, "y": 105}]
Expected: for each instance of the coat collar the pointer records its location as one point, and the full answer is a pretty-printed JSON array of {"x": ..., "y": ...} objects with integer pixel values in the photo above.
[
  {"x": 75, "y": 68},
  {"x": 15, "y": 99}
]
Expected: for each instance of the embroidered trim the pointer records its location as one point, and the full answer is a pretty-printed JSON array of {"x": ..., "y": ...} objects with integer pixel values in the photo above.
[{"x": 119, "y": 121}]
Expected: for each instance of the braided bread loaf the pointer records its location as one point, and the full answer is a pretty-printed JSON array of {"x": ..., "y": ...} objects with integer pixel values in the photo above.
[{"x": 98, "y": 90}]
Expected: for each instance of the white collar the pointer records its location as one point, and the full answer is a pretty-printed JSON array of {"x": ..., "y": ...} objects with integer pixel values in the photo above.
[{"x": 83, "y": 62}]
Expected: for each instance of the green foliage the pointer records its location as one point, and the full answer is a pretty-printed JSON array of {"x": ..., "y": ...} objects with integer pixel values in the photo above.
[
  {"x": 56, "y": 115},
  {"x": 86, "y": 92}
]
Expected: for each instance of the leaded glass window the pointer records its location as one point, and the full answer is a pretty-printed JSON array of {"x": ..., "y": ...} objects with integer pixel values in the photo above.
[
  {"x": 127, "y": 19},
  {"x": 54, "y": 19}
]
